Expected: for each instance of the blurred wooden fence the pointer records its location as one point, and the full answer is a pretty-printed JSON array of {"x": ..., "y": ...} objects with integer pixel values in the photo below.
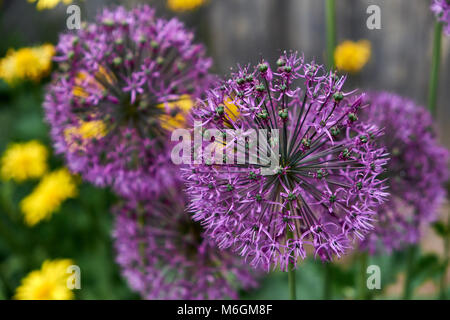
[{"x": 241, "y": 31}]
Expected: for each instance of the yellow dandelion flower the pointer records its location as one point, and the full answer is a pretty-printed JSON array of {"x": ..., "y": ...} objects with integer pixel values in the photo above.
[
  {"x": 176, "y": 112},
  {"x": 184, "y": 5},
  {"x": 352, "y": 56},
  {"x": 48, "y": 283},
  {"x": 22, "y": 161},
  {"x": 231, "y": 111},
  {"x": 48, "y": 196},
  {"x": 48, "y": 4},
  {"x": 32, "y": 63}
]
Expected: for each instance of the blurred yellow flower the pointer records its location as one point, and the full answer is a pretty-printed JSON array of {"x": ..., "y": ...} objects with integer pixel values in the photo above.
[
  {"x": 48, "y": 4},
  {"x": 352, "y": 56},
  {"x": 48, "y": 196},
  {"x": 79, "y": 137},
  {"x": 48, "y": 283},
  {"x": 22, "y": 161},
  {"x": 84, "y": 81},
  {"x": 184, "y": 5},
  {"x": 32, "y": 63},
  {"x": 231, "y": 111},
  {"x": 176, "y": 112}
]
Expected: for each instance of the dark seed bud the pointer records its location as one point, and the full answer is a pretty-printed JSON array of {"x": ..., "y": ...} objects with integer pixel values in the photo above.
[
  {"x": 75, "y": 41},
  {"x": 335, "y": 131},
  {"x": 263, "y": 115},
  {"x": 154, "y": 44},
  {"x": 338, "y": 96},
  {"x": 283, "y": 114},
  {"x": 352, "y": 117},
  {"x": 142, "y": 39},
  {"x": 262, "y": 67},
  {"x": 260, "y": 88},
  {"x": 346, "y": 153},
  {"x": 281, "y": 62},
  {"x": 160, "y": 60},
  {"x": 117, "y": 61},
  {"x": 306, "y": 142},
  {"x": 240, "y": 81},
  {"x": 220, "y": 109},
  {"x": 320, "y": 174}
]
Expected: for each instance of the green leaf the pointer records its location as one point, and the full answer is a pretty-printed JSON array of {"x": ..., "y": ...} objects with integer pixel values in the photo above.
[{"x": 440, "y": 228}]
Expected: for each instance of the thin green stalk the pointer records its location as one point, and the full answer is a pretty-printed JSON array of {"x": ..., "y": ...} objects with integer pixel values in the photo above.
[
  {"x": 443, "y": 280},
  {"x": 327, "y": 292},
  {"x": 362, "y": 285},
  {"x": 330, "y": 16},
  {"x": 410, "y": 259},
  {"x": 435, "y": 65},
  {"x": 291, "y": 275},
  {"x": 291, "y": 280}
]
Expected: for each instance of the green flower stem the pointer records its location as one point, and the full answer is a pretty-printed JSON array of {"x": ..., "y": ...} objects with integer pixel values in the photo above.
[
  {"x": 410, "y": 259},
  {"x": 432, "y": 100},
  {"x": 443, "y": 280},
  {"x": 327, "y": 291},
  {"x": 330, "y": 17},
  {"x": 291, "y": 275},
  {"x": 362, "y": 285},
  {"x": 435, "y": 65},
  {"x": 291, "y": 280}
]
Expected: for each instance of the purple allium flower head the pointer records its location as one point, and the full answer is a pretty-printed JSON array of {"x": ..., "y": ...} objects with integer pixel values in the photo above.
[
  {"x": 441, "y": 9},
  {"x": 121, "y": 82},
  {"x": 325, "y": 189},
  {"x": 417, "y": 171},
  {"x": 163, "y": 254}
]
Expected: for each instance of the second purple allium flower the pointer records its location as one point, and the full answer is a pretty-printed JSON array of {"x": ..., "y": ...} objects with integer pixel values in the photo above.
[
  {"x": 417, "y": 171},
  {"x": 325, "y": 190},
  {"x": 121, "y": 83},
  {"x": 164, "y": 255}
]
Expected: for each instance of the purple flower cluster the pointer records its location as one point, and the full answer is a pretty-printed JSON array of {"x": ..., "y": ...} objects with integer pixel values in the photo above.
[
  {"x": 417, "y": 171},
  {"x": 164, "y": 255},
  {"x": 118, "y": 80},
  {"x": 325, "y": 191},
  {"x": 441, "y": 9}
]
